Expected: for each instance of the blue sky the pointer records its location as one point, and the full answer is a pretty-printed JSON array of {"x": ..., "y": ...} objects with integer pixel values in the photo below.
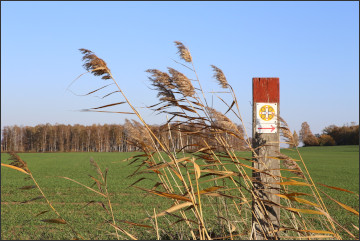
[{"x": 313, "y": 47}]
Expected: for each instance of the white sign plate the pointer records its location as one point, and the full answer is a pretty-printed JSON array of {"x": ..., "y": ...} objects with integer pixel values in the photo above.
[{"x": 266, "y": 117}]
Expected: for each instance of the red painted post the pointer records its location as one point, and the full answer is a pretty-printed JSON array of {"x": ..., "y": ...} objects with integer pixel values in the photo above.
[
  {"x": 266, "y": 137},
  {"x": 266, "y": 90}
]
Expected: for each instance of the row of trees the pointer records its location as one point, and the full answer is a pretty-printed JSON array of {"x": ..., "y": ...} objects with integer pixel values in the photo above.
[
  {"x": 331, "y": 135},
  {"x": 116, "y": 137},
  {"x": 95, "y": 138}
]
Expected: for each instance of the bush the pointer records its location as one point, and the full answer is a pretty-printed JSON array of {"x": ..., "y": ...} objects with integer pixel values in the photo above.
[
  {"x": 326, "y": 140},
  {"x": 311, "y": 140},
  {"x": 344, "y": 135}
]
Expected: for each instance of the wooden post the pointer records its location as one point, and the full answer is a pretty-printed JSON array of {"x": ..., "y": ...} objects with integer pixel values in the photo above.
[{"x": 266, "y": 215}]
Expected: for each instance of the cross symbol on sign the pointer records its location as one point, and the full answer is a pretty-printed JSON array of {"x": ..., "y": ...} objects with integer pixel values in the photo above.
[{"x": 266, "y": 112}]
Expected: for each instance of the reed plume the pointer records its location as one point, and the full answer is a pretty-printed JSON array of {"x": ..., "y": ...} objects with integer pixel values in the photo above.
[
  {"x": 219, "y": 76},
  {"x": 183, "y": 51},
  {"x": 161, "y": 77},
  {"x": 292, "y": 165},
  {"x": 18, "y": 162},
  {"x": 183, "y": 84},
  {"x": 163, "y": 84},
  {"x": 285, "y": 131},
  {"x": 138, "y": 134},
  {"x": 94, "y": 64},
  {"x": 221, "y": 121}
]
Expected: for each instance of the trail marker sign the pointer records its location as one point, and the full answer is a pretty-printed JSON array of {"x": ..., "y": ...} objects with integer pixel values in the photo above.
[{"x": 266, "y": 117}]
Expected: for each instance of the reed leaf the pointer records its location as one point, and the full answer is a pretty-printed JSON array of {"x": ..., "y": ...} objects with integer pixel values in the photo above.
[
  {"x": 210, "y": 189},
  {"x": 308, "y": 211},
  {"x": 123, "y": 231},
  {"x": 104, "y": 106},
  {"x": 337, "y": 188},
  {"x": 96, "y": 90},
  {"x": 27, "y": 187},
  {"x": 300, "y": 200},
  {"x": 167, "y": 195},
  {"x": 197, "y": 170},
  {"x": 136, "y": 224},
  {"x": 173, "y": 209},
  {"x": 346, "y": 207},
  {"x": 85, "y": 186},
  {"x": 316, "y": 231},
  {"x": 293, "y": 183},
  {"x": 41, "y": 213},
  {"x": 54, "y": 220},
  {"x": 15, "y": 168},
  {"x": 33, "y": 199}
]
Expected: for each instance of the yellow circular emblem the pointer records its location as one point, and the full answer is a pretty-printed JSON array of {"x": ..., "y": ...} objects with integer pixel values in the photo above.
[{"x": 266, "y": 112}]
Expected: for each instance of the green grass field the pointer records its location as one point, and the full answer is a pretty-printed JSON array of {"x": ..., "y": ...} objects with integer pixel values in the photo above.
[{"x": 334, "y": 166}]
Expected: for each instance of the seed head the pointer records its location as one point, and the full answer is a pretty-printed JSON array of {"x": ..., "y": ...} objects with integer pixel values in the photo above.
[
  {"x": 221, "y": 121},
  {"x": 161, "y": 77},
  {"x": 183, "y": 84},
  {"x": 292, "y": 165},
  {"x": 285, "y": 131},
  {"x": 183, "y": 51},
  {"x": 163, "y": 83},
  {"x": 94, "y": 64},
  {"x": 138, "y": 134},
  {"x": 219, "y": 76},
  {"x": 18, "y": 162}
]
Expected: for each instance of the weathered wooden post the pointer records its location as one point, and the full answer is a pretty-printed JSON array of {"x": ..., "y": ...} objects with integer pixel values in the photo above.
[{"x": 266, "y": 215}]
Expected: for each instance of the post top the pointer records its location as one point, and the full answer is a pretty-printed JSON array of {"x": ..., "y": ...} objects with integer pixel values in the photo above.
[{"x": 266, "y": 89}]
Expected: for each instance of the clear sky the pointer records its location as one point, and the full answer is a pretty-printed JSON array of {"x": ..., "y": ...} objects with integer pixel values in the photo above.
[{"x": 313, "y": 47}]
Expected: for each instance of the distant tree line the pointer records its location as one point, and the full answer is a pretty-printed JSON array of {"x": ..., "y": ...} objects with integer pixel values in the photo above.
[
  {"x": 331, "y": 135},
  {"x": 118, "y": 138},
  {"x": 98, "y": 138}
]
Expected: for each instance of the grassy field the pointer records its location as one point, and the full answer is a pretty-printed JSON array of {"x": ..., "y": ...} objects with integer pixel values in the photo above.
[{"x": 334, "y": 166}]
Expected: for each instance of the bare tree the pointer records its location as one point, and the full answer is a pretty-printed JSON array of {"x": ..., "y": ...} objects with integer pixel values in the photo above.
[{"x": 306, "y": 136}]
